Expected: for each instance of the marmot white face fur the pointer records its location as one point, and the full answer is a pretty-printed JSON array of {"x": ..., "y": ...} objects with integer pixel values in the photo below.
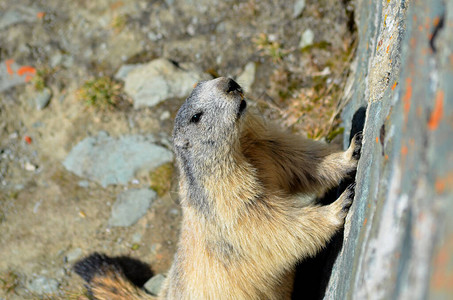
[{"x": 244, "y": 186}]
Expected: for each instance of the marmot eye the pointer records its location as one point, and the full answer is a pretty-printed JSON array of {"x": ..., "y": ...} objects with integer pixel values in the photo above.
[{"x": 196, "y": 118}]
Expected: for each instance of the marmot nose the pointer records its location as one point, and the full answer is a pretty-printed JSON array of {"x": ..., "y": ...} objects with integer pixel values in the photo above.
[{"x": 229, "y": 85}]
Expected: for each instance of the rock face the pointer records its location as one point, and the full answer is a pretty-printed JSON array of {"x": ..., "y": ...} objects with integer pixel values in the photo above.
[
  {"x": 11, "y": 74},
  {"x": 115, "y": 161},
  {"x": 398, "y": 239},
  {"x": 159, "y": 80},
  {"x": 130, "y": 206},
  {"x": 43, "y": 285}
]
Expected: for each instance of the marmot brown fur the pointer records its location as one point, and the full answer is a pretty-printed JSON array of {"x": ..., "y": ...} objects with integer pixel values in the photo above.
[{"x": 247, "y": 191}]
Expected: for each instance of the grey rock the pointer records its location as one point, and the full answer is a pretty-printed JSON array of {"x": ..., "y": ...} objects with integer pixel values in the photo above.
[
  {"x": 56, "y": 60},
  {"x": 299, "y": 6},
  {"x": 130, "y": 206},
  {"x": 115, "y": 161},
  {"x": 20, "y": 14},
  {"x": 42, "y": 285},
  {"x": 398, "y": 235},
  {"x": 42, "y": 99},
  {"x": 84, "y": 183},
  {"x": 165, "y": 115},
  {"x": 307, "y": 39},
  {"x": 9, "y": 76},
  {"x": 121, "y": 74},
  {"x": 247, "y": 77},
  {"x": 38, "y": 124},
  {"x": 73, "y": 255},
  {"x": 154, "y": 284},
  {"x": 68, "y": 61},
  {"x": 154, "y": 37},
  {"x": 19, "y": 187},
  {"x": 159, "y": 80},
  {"x": 136, "y": 237}
]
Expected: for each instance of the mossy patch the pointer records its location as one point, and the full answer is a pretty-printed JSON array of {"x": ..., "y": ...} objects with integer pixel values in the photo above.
[
  {"x": 41, "y": 78},
  {"x": 270, "y": 48},
  {"x": 101, "y": 93},
  {"x": 160, "y": 178},
  {"x": 119, "y": 22},
  {"x": 9, "y": 281},
  {"x": 310, "y": 101}
]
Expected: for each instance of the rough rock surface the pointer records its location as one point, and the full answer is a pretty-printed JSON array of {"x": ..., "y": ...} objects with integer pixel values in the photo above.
[
  {"x": 154, "y": 285},
  {"x": 159, "y": 80},
  {"x": 11, "y": 74},
  {"x": 130, "y": 206},
  {"x": 398, "y": 240},
  {"x": 115, "y": 161},
  {"x": 43, "y": 285}
]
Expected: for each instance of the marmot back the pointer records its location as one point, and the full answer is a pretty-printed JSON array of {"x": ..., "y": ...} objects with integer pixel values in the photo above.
[{"x": 246, "y": 190}]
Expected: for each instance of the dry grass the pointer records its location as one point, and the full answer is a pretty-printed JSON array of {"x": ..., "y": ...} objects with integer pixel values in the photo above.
[
  {"x": 9, "y": 281},
  {"x": 160, "y": 178},
  {"x": 272, "y": 49},
  {"x": 309, "y": 100},
  {"x": 101, "y": 93}
]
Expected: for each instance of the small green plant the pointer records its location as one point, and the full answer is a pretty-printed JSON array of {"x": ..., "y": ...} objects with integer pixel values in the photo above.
[
  {"x": 119, "y": 22},
  {"x": 41, "y": 77},
  {"x": 160, "y": 178},
  {"x": 101, "y": 93},
  {"x": 270, "y": 48},
  {"x": 9, "y": 281}
]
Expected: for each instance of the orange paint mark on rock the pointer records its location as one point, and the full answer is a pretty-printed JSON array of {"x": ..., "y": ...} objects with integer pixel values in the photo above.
[
  {"x": 404, "y": 150},
  {"x": 440, "y": 186},
  {"x": 407, "y": 96},
  {"x": 436, "y": 21},
  {"x": 26, "y": 70},
  {"x": 427, "y": 23},
  {"x": 386, "y": 157},
  {"x": 8, "y": 64},
  {"x": 116, "y": 5},
  {"x": 436, "y": 115},
  {"x": 377, "y": 140},
  {"x": 394, "y": 85},
  {"x": 40, "y": 15},
  {"x": 27, "y": 139},
  {"x": 442, "y": 277},
  {"x": 364, "y": 222},
  {"x": 444, "y": 183}
]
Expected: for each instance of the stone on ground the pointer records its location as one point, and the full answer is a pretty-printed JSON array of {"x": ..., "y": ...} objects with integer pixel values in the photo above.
[
  {"x": 108, "y": 160},
  {"x": 130, "y": 206},
  {"x": 159, "y": 80}
]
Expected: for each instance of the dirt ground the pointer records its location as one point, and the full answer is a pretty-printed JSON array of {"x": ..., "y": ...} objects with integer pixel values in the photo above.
[{"x": 48, "y": 219}]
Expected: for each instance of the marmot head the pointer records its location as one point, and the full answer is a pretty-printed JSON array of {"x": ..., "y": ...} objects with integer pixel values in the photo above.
[{"x": 208, "y": 124}]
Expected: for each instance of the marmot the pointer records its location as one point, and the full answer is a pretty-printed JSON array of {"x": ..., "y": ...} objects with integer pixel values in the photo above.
[{"x": 247, "y": 193}]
